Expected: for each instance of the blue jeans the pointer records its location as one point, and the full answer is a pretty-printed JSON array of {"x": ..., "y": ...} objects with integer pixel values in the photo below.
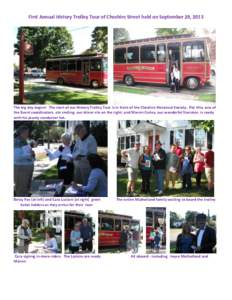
[{"x": 159, "y": 179}]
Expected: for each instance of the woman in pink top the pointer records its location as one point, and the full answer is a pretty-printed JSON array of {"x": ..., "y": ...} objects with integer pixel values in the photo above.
[{"x": 198, "y": 161}]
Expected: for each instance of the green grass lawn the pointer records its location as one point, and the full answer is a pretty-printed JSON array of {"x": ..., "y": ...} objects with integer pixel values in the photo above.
[
  {"x": 134, "y": 90},
  {"x": 207, "y": 97},
  {"x": 70, "y": 98},
  {"x": 177, "y": 192}
]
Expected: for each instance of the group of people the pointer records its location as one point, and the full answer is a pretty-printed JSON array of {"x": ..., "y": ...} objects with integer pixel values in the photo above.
[
  {"x": 24, "y": 239},
  {"x": 78, "y": 163},
  {"x": 166, "y": 167},
  {"x": 155, "y": 238},
  {"x": 129, "y": 239},
  {"x": 81, "y": 237},
  {"x": 203, "y": 241}
]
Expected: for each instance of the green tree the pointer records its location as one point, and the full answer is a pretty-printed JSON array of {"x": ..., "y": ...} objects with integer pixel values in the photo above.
[
  {"x": 173, "y": 31},
  {"x": 47, "y": 42},
  {"x": 100, "y": 39},
  {"x": 121, "y": 35},
  {"x": 99, "y": 130},
  {"x": 190, "y": 217},
  {"x": 207, "y": 125},
  {"x": 174, "y": 217}
]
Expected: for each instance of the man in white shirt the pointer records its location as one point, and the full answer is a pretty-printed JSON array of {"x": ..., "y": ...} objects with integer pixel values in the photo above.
[
  {"x": 132, "y": 156},
  {"x": 85, "y": 145}
]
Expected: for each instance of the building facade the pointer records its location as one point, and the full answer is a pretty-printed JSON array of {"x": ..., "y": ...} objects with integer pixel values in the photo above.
[{"x": 168, "y": 132}]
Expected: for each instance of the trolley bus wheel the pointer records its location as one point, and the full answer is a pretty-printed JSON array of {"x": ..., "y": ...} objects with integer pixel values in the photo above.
[
  {"x": 94, "y": 84},
  {"x": 192, "y": 83},
  {"x": 60, "y": 81},
  {"x": 129, "y": 80}
]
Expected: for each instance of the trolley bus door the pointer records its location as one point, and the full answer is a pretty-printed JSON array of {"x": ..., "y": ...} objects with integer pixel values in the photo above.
[
  {"x": 85, "y": 72},
  {"x": 174, "y": 57}
]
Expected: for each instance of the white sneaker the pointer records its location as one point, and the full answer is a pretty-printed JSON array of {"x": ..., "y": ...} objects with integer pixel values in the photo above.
[
  {"x": 156, "y": 191},
  {"x": 160, "y": 193}
]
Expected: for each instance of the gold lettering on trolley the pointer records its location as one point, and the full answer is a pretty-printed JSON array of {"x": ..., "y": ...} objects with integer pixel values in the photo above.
[{"x": 141, "y": 68}]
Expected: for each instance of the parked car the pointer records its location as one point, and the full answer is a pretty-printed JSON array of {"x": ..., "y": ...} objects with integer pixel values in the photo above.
[{"x": 36, "y": 73}]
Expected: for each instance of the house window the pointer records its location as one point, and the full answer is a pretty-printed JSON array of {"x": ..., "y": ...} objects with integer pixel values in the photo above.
[
  {"x": 179, "y": 137},
  {"x": 149, "y": 218},
  {"x": 171, "y": 137},
  {"x": 128, "y": 123},
  {"x": 200, "y": 138},
  {"x": 122, "y": 143},
  {"x": 189, "y": 137}
]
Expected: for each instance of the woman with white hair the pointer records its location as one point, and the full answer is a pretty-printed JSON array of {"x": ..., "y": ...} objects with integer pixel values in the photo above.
[
  {"x": 64, "y": 153},
  {"x": 24, "y": 236},
  {"x": 85, "y": 145}
]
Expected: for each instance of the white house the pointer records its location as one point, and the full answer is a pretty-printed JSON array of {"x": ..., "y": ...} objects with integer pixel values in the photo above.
[
  {"x": 147, "y": 132},
  {"x": 53, "y": 219}
]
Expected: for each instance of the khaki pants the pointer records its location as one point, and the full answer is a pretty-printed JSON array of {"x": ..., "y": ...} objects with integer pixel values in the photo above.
[
  {"x": 170, "y": 176},
  {"x": 23, "y": 249},
  {"x": 22, "y": 179},
  {"x": 81, "y": 170}
]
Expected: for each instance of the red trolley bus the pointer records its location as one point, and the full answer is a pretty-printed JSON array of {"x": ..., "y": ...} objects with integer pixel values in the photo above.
[
  {"x": 86, "y": 70},
  {"x": 110, "y": 227},
  {"x": 155, "y": 217},
  {"x": 150, "y": 60},
  {"x": 71, "y": 218}
]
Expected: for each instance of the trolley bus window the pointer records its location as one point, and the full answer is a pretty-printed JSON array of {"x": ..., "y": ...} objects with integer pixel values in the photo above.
[
  {"x": 149, "y": 218},
  {"x": 120, "y": 55},
  {"x": 71, "y": 65},
  {"x": 125, "y": 223},
  {"x": 194, "y": 51},
  {"x": 64, "y": 66},
  {"x": 118, "y": 225},
  {"x": 105, "y": 64},
  {"x": 147, "y": 53},
  {"x": 107, "y": 224},
  {"x": 95, "y": 65},
  {"x": 78, "y": 65},
  {"x": 161, "y": 53},
  {"x": 133, "y": 54},
  {"x": 53, "y": 65}
]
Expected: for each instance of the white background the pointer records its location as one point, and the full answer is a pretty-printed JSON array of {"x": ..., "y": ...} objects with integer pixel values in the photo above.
[{"x": 119, "y": 277}]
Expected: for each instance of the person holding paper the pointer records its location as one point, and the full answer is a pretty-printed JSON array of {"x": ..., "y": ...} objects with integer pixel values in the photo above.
[
  {"x": 198, "y": 161},
  {"x": 145, "y": 169},
  {"x": 85, "y": 145},
  {"x": 97, "y": 181},
  {"x": 50, "y": 244},
  {"x": 132, "y": 156},
  {"x": 159, "y": 164},
  {"x": 75, "y": 239},
  {"x": 24, "y": 158},
  {"x": 24, "y": 236},
  {"x": 65, "y": 162},
  {"x": 171, "y": 167}
]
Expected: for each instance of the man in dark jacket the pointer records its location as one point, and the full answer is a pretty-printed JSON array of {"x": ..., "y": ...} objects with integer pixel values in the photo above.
[
  {"x": 206, "y": 235},
  {"x": 159, "y": 163},
  {"x": 87, "y": 235}
]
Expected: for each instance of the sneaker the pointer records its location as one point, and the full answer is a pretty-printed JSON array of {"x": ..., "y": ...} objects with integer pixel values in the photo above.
[
  {"x": 156, "y": 190},
  {"x": 133, "y": 194},
  {"x": 160, "y": 193}
]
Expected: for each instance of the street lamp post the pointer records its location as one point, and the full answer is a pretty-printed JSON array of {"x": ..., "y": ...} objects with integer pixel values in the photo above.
[{"x": 21, "y": 69}]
